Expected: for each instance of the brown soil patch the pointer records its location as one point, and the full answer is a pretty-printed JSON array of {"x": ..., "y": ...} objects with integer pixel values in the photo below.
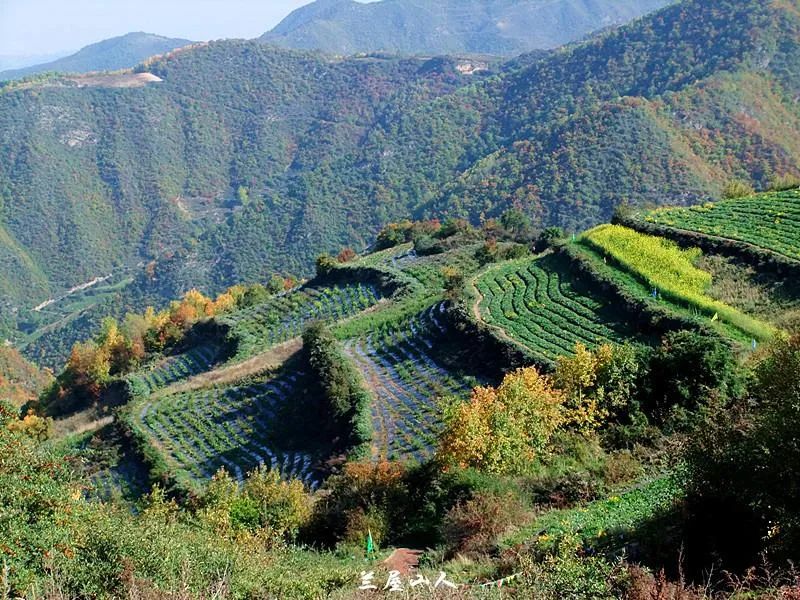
[
  {"x": 403, "y": 560},
  {"x": 80, "y": 423},
  {"x": 115, "y": 80}
]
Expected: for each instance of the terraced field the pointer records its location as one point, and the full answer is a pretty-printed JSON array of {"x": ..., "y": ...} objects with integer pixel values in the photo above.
[
  {"x": 539, "y": 305},
  {"x": 395, "y": 256},
  {"x": 237, "y": 428},
  {"x": 110, "y": 468},
  {"x": 768, "y": 221},
  {"x": 399, "y": 364},
  {"x": 178, "y": 367},
  {"x": 284, "y": 317},
  {"x": 671, "y": 274}
]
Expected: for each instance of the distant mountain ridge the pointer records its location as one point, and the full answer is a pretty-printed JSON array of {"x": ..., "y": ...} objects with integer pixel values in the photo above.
[
  {"x": 10, "y": 62},
  {"x": 121, "y": 52},
  {"x": 501, "y": 27}
]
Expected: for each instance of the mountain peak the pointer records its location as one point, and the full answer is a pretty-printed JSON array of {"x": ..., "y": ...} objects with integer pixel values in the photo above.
[
  {"x": 121, "y": 52},
  {"x": 502, "y": 27}
]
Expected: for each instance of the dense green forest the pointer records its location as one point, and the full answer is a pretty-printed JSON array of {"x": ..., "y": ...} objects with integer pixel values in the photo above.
[{"x": 248, "y": 160}]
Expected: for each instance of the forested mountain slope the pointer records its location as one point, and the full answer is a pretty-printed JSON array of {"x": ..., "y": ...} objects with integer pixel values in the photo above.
[
  {"x": 20, "y": 381},
  {"x": 263, "y": 141},
  {"x": 247, "y": 159},
  {"x": 662, "y": 111},
  {"x": 121, "y": 52},
  {"x": 503, "y": 27}
]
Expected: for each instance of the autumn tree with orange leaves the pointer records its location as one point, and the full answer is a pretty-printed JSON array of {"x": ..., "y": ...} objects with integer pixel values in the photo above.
[{"x": 119, "y": 349}]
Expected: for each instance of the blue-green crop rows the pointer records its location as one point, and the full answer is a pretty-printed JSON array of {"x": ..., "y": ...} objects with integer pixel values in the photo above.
[
  {"x": 399, "y": 365},
  {"x": 536, "y": 303},
  {"x": 118, "y": 481},
  {"x": 284, "y": 317},
  {"x": 231, "y": 428},
  {"x": 175, "y": 368}
]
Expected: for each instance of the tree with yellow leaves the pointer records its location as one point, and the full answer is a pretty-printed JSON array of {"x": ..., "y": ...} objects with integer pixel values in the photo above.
[
  {"x": 32, "y": 425},
  {"x": 576, "y": 376},
  {"x": 596, "y": 383},
  {"x": 504, "y": 430}
]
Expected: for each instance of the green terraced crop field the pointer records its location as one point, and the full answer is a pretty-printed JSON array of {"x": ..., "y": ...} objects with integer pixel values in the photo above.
[
  {"x": 236, "y": 428},
  {"x": 540, "y": 305},
  {"x": 769, "y": 221},
  {"x": 399, "y": 364},
  {"x": 611, "y": 522},
  {"x": 284, "y": 317}
]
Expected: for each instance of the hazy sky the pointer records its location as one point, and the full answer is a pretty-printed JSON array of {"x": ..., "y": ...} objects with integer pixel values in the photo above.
[{"x": 50, "y": 26}]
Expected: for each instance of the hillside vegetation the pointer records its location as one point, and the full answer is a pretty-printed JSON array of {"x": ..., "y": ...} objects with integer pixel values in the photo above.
[
  {"x": 253, "y": 167},
  {"x": 20, "y": 381},
  {"x": 763, "y": 225},
  {"x": 449, "y": 27},
  {"x": 525, "y": 410},
  {"x": 670, "y": 272}
]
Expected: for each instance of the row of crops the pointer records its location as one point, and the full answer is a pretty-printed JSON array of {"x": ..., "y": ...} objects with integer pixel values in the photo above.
[
  {"x": 768, "y": 221},
  {"x": 175, "y": 368},
  {"x": 538, "y": 304},
  {"x": 398, "y": 362},
  {"x": 670, "y": 272},
  {"x": 284, "y": 317},
  {"x": 611, "y": 523},
  {"x": 234, "y": 428}
]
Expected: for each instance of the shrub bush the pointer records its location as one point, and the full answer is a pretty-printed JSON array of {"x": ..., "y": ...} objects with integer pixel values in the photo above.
[
  {"x": 346, "y": 397},
  {"x": 745, "y": 469},
  {"x": 473, "y": 526},
  {"x": 688, "y": 370},
  {"x": 737, "y": 189},
  {"x": 783, "y": 183},
  {"x": 504, "y": 430}
]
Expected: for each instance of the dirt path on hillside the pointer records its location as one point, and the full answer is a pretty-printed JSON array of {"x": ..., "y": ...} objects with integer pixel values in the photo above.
[
  {"x": 373, "y": 383},
  {"x": 267, "y": 361},
  {"x": 403, "y": 560},
  {"x": 476, "y": 310}
]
